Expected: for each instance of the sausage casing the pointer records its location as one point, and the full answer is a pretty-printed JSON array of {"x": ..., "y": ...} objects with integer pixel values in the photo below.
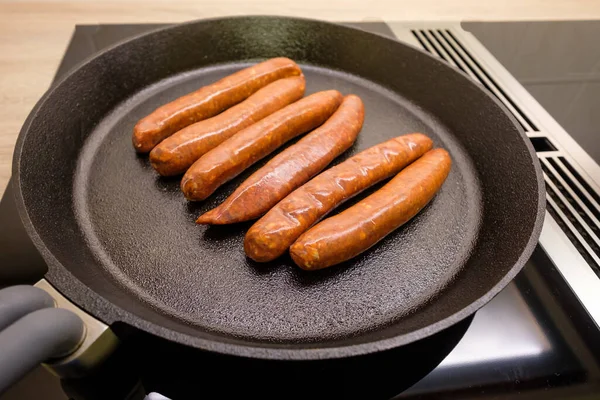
[
  {"x": 175, "y": 154},
  {"x": 292, "y": 167},
  {"x": 275, "y": 232},
  {"x": 208, "y": 101},
  {"x": 237, "y": 153},
  {"x": 356, "y": 229}
]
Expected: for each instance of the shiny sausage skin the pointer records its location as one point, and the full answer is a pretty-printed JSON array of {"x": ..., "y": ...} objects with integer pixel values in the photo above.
[
  {"x": 175, "y": 154},
  {"x": 208, "y": 101},
  {"x": 275, "y": 232},
  {"x": 292, "y": 167},
  {"x": 356, "y": 229},
  {"x": 240, "y": 151}
]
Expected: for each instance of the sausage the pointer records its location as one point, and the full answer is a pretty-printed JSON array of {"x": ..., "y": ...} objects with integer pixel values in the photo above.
[
  {"x": 175, "y": 154},
  {"x": 208, "y": 101},
  {"x": 237, "y": 153},
  {"x": 344, "y": 236},
  {"x": 292, "y": 167},
  {"x": 275, "y": 232}
]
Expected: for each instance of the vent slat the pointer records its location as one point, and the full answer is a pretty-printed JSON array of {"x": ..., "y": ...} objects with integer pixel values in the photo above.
[
  {"x": 570, "y": 232},
  {"x": 579, "y": 181},
  {"x": 574, "y": 235},
  {"x": 556, "y": 194},
  {"x": 431, "y": 39},
  {"x": 548, "y": 154},
  {"x": 417, "y": 35},
  {"x": 456, "y": 58},
  {"x": 586, "y": 207}
]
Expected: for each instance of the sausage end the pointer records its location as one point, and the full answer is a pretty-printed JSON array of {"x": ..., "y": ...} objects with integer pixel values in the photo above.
[
  {"x": 139, "y": 144},
  {"x": 257, "y": 249},
  {"x": 217, "y": 216},
  {"x": 163, "y": 162},
  {"x": 191, "y": 190},
  {"x": 306, "y": 258},
  {"x": 142, "y": 138},
  {"x": 208, "y": 218}
]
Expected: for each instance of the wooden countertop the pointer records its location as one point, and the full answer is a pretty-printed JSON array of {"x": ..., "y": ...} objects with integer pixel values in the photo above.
[{"x": 34, "y": 35}]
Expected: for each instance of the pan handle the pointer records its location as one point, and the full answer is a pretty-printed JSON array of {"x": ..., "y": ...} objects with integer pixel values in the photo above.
[
  {"x": 33, "y": 331},
  {"x": 39, "y": 325},
  {"x": 98, "y": 344}
]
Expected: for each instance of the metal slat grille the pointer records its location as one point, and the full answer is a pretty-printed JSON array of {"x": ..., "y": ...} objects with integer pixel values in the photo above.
[
  {"x": 444, "y": 44},
  {"x": 573, "y": 216}
]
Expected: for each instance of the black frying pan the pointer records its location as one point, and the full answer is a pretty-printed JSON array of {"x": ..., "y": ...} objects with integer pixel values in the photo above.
[{"x": 121, "y": 243}]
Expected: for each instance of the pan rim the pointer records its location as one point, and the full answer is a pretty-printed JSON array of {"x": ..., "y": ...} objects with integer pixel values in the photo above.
[{"x": 60, "y": 277}]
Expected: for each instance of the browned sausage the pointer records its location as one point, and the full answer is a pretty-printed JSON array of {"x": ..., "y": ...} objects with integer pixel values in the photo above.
[
  {"x": 346, "y": 235},
  {"x": 208, "y": 101},
  {"x": 275, "y": 232},
  {"x": 292, "y": 167},
  {"x": 175, "y": 154},
  {"x": 237, "y": 153}
]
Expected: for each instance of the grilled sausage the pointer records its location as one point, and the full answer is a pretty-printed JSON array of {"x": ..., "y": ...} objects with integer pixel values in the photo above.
[
  {"x": 175, "y": 154},
  {"x": 292, "y": 167},
  {"x": 343, "y": 236},
  {"x": 237, "y": 153},
  {"x": 275, "y": 232},
  {"x": 208, "y": 101}
]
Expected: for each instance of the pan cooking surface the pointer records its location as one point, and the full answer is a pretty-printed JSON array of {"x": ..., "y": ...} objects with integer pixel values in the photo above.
[{"x": 141, "y": 231}]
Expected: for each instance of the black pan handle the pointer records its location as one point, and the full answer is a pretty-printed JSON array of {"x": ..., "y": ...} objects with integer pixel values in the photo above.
[{"x": 33, "y": 332}]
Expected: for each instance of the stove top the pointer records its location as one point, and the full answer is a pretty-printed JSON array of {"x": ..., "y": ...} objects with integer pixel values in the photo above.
[{"x": 539, "y": 337}]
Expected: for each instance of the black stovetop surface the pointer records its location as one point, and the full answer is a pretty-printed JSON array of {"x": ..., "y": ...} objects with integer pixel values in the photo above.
[{"x": 533, "y": 340}]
